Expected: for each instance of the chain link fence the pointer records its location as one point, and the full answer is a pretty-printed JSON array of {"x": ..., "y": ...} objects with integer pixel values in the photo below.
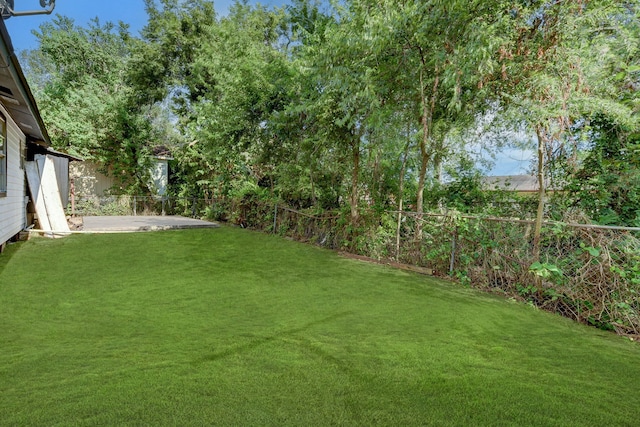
[{"x": 585, "y": 272}]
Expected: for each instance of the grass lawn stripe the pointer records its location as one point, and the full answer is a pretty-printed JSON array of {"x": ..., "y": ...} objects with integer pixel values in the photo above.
[{"x": 230, "y": 327}]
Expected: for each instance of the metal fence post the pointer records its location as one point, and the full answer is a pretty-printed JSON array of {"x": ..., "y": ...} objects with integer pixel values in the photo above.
[
  {"x": 164, "y": 201},
  {"x": 135, "y": 205},
  {"x": 193, "y": 208}
]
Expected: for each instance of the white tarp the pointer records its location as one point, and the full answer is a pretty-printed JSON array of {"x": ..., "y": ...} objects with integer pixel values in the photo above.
[{"x": 45, "y": 193}]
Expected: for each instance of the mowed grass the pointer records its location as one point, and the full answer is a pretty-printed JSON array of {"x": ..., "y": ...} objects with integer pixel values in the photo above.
[{"x": 230, "y": 327}]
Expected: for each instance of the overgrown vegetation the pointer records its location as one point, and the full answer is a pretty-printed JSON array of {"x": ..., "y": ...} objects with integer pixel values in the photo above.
[
  {"x": 344, "y": 104},
  {"x": 231, "y": 327},
  {"x": 352, "y": 111}
]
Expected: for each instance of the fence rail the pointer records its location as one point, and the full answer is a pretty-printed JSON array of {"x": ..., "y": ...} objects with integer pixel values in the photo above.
[{"x": 587, "y": 272}]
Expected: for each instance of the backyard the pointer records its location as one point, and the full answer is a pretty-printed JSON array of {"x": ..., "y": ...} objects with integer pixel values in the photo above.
[{"x": 232, "y": 327}]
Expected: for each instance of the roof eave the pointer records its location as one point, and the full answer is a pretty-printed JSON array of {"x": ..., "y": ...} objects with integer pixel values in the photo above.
[{"x": 26, "y": 108}]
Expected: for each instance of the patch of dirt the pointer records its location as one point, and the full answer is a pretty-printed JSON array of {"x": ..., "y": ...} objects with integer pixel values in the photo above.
[
  {"x": 390, "y": 263},
  {"x": 75, "y": 223}
]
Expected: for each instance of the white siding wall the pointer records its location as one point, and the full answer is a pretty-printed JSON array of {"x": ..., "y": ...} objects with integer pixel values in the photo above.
[{"x": 13, "y": 208}]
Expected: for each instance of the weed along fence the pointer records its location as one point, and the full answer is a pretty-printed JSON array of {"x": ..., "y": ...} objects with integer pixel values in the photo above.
[
  {"x": 138, "y": 205},
  {"x": 591, "y": 274},
  {"x": 588, "y": 273}
]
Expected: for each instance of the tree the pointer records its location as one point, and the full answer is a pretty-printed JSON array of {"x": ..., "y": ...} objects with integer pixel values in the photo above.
[
  {"x": 233, "y": 76},
  {"x": 554, "y": 81},
  {"x": 162, "y": 64},
  {"x": 79, "y": 76},
  {"x": 604, "y": 185},
  {"x": 342, "y": 98},
  {"x": 432, "y": 57}
]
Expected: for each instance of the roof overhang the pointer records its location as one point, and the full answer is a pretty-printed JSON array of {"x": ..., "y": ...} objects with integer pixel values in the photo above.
[
  {"x": 15, "y": 94},
  {"x": 64, "y": 155}
]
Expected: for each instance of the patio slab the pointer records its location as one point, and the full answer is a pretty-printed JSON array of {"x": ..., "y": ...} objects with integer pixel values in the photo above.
[{"x": 141, "y": 223}]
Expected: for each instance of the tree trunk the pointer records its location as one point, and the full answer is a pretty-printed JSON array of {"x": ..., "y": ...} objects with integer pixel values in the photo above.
[
  {"x": 437, "y": 167},
  {"x": 427, "y": 116},
  {"x": 353, "y": 200},
  {"x": 424, "y": 161},
  {"x": 403, "y": 170},
  {"x": 542, "y": 139},
  {"x": 377, "y": 179},
  {"x": 314, "y": 202}
]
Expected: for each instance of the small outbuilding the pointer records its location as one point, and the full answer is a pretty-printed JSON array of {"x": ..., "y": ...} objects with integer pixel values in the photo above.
[{"x": 91, "y": 182}]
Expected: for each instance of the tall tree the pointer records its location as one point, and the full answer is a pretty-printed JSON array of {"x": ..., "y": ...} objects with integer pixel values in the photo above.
[
  {"x": 162, "y": 65},
  {"x": 554, "y": 80},
  {"x": 343, "y": 98},
  {"x": 436, "y": 55},
  {"x": 235, "y": 78},
  {"x": 80, "y": 78}
]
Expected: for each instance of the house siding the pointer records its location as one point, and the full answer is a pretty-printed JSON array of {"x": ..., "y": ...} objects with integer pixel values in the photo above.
[{"x": 13, "y": 206}]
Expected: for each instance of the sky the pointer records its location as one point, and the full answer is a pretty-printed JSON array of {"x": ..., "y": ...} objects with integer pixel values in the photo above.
[
  {"x": 512, "y": 161},
  {"x": 132, "y": 12}
]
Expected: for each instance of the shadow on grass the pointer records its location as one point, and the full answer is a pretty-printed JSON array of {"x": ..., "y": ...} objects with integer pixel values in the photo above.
[
  {"x": 258, "y": 341},
  {"x": 8, "y": 253}
]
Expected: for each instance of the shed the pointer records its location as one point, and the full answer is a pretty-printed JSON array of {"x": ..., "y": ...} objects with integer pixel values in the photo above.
[
  {"x": 160, "y": 170},
  {"x": 91, "y": 182},
  {"x": 61, "y": 162}
]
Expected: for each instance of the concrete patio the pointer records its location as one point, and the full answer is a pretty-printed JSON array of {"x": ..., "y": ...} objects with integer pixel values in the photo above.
[{"x": 141, "y": 223}]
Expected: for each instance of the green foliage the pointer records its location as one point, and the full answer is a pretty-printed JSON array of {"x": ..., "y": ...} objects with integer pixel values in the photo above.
[
  {"x": 164, "y": 63},
  {"x": 551, "y": 79},
  {"x": 607, "y": 185},
  {"x": 594, "y": 252},
  {"x": 97, "y": 207},
  {"x": 464, "y": 194},
  {"x": 248, "y": 192},
  {"x": 79, "y": 76},
  {"x": 545, "y": 270},
  {"x": 357, "y": 104}
]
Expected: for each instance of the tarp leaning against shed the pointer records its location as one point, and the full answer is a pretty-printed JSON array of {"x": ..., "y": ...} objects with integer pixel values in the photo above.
[
  {"x": 45, "y": 193},
  {"x": 33, "y": 178}
]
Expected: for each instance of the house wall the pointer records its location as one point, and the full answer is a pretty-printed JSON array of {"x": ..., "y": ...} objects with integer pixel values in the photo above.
[{"x": 13, "y": 206}]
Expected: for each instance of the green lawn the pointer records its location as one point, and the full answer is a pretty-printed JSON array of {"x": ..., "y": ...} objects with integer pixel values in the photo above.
[{"x": 230, "y": 327}]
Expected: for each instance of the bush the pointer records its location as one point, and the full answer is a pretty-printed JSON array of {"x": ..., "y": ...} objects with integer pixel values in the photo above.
[{"x": 106, "y": 206}]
